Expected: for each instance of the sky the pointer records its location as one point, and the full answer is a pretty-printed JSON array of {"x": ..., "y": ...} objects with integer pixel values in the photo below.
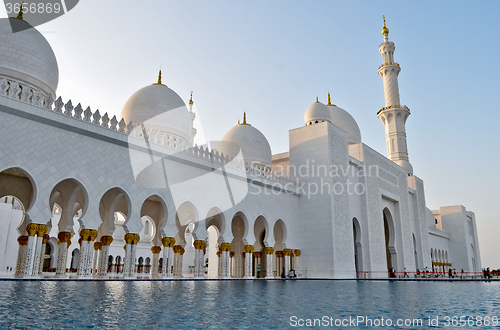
[{"x": 273, "y": 58}]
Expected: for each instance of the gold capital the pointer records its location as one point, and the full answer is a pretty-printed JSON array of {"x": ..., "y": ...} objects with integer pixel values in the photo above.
[
  {"x": 297, "y": 253},
  {"x": 128, "y": 238},
  {"x": 269, "y": 250},
  {"x": 106, "y": 240},
  {"x": 287, "y": 252},
  {"x": 42, "y": 229},
  {"x": 226, "y": 246},
  {"x": 23, "y": 240},
  {"x": 97, "y": 246},
  {"x": 64, "y": 237},
  {"x": 46, "y": 238},
  {"x": 32, "y": 229},
  {"x": 156, "y": 249},
  {"x": 197, "y": 244},
  {"x": 248, "y": 248}
]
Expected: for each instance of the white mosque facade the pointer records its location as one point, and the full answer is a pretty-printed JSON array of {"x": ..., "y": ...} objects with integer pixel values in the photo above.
[{"x": 88, "y": 196}]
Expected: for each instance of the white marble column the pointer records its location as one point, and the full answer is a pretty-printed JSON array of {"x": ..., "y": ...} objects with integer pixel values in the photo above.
[
  {"x": 219, "y": 265},
  {"x": 30, "y": 249},
  {"x": 226, "y": 248},
  {"x": 89, "y": 265},
  {"x": 279, "y": 263},
  {"x": 42, "y": 254},
  {"x": 168, "y": 256},
  {"x": 84, "y": 247},
  {"x": 133, "y": 260},
  {"x": 127, "y": 260},
  {"x": 248, "y": 260},
  {"x": 62, "y": 254},
  {"x": 297, "y": 263},
  {"x": 21, "y": 256},
  {"x": 102, "y": 268},
  {"x": 231, "y": 264},
  {"x": 154, "y": 262},
  {"x": 197, "y": 260},
  {"x": 269, "y": 262},
  {"x": 97, "y": 248},
  {"x": 288, "y": 256},
  {"x": 178, "y": 256},
  {"x": 41, "y": 230}
]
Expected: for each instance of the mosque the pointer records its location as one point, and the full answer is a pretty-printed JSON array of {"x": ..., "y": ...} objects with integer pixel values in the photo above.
[{"x": 87, "y": 196}]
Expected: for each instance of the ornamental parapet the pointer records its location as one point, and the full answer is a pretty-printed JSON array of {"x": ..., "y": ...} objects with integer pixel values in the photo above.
[{"x": 394, "y": 106}]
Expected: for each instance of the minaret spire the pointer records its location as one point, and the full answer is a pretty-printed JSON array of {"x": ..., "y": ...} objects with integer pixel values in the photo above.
[{"x": 393, "y": 115}]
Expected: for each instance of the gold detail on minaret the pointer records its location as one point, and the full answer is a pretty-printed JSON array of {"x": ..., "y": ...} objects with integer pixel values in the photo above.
[
  {"x": 191, "y": 99},
  {"x": 317, "y": 99},
  {"x": 244, "y": 120},
  {"x": 20, "y": 14},
  {"x": 385, "y": 30}
]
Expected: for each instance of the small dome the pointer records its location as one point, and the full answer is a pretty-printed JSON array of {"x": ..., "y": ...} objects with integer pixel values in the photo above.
[
  {"x": 317, "y": 113},
  {"x": 253, "y": 145},
  {"x": 26, "y": 56},
  {"x": 343, "y": 120},
  {"x": 159, "y": 108},
  {"x": 406, "y": 165}
]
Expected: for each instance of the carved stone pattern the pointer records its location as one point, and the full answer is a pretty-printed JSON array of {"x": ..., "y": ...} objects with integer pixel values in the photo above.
[
  {"x": 68, "y": 108},
  {"x": 78, "y": 112}
]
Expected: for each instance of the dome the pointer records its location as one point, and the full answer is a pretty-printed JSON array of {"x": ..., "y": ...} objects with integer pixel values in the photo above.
[
  {"x": 253, "y": 144},
  {"x": 317, "y": 112},
  {"x": 343, "y": 120},
  {"x": 159, "y": 108},
  {"x": 27, "y": 56}
]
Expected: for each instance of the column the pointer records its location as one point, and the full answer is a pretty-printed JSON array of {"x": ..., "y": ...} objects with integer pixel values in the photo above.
[
  {"x": 178, "y": 255},
  {"x": 279, "y": 263},
  {"x": 41, "y": 230},
  {"x": 64, "y": 243},
  {"x": 248, "y": 260},
  {"x": 21, "y": 256},
  {"x": 45, "y": 239},
  {"x": 168, "y": 256},
  {"x": 297, "y": 263},
  {"x": 204, "y": 267},
  {"x": 288, "y": 255},
  {"x": 231, "y": 264},
  {"x": 84, "y": 248},
  {"x": 90, "y": 254},
  {"x": 32, "y": 230},
  {"x": 269, "y": 262},
  {"x": 97, "y": 248},
  {"x": 226, "y": 247},
  {"x": 197, "y": 259},
  {"x": 127, "y": 260},
  {"x": 102, "y": 269},
  {"x": 257, "y": 256},
  {"x": 133, "y": 260},
  {"x": 219, "y": 268},
  {"x": 154, "y": 262}
]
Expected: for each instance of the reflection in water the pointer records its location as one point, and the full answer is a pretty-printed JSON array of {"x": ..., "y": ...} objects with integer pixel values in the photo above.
[{"x": 232, "y": 304}]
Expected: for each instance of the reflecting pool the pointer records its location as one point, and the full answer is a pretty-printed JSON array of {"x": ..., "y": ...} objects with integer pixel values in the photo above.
[{"x": 241, "y": 304}]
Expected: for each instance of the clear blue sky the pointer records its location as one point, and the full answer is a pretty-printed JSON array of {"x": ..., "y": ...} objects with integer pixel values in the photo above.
[{"x": 272, "y": 58}]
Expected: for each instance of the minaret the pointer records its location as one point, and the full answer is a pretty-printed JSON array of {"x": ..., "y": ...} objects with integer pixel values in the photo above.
[
  {"x": 393, "y": 115},
  {"x": 192, "y": 115}
]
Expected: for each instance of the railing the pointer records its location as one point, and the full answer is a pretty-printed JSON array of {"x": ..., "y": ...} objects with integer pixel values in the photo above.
[{"x": 387, "y": 64}]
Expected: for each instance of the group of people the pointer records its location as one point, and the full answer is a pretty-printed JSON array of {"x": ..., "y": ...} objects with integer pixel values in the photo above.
[{"x": 487, "y": 273}]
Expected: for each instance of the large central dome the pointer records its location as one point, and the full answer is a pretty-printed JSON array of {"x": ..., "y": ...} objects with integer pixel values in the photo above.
[
  {"x": 159, "y": 108},
  {"x": 26, "y": 56}
]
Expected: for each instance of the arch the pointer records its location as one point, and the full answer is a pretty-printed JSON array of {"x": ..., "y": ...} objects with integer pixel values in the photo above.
[
  {"x": 185, "y": 215},
  {"x": 155, "y": 208},
  {"x": 390, "y": 240},
  {"x": 244, "y": 218},
  {"x": 239, "y": 229},
  {"x": 118, "y": 262},
  {"x": 47, "y": 256},
  {"x": 213, "y": 238},
  {"x": 112, "y": 201},
  {"x": 279, "y": 233},
  {"x": 71, "y": 196},
  {"x": 17, "y": 182},
  {"x": 358, "y": 251},
  {"x": 140, "y": 265},
  {"x": 261, "y": 227},
  {"x": 215, "y": 217},
  {"x": 110, "y": 263}
]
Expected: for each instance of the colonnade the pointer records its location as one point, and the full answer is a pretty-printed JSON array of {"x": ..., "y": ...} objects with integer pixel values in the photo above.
[{"x": 93, "y": 260}]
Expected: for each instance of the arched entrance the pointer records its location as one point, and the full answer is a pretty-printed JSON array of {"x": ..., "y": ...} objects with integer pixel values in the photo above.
[
  {"x": 358, "y": 258},
  {"x": 237, "y": 246},
  {"x": 390, "y": 248}
]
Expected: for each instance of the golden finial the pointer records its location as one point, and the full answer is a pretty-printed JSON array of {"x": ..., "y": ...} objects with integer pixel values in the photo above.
[
  {"x": 159, "y": 78},
  {"x": 20, "y": 14},
  {"x": 385, "y": 30},
  {"x": 329, "y": 101},
  {"x": 244, "y": 120},
  {"x": 191, "y": 99},
  {"x": 317, "y": 99}
]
